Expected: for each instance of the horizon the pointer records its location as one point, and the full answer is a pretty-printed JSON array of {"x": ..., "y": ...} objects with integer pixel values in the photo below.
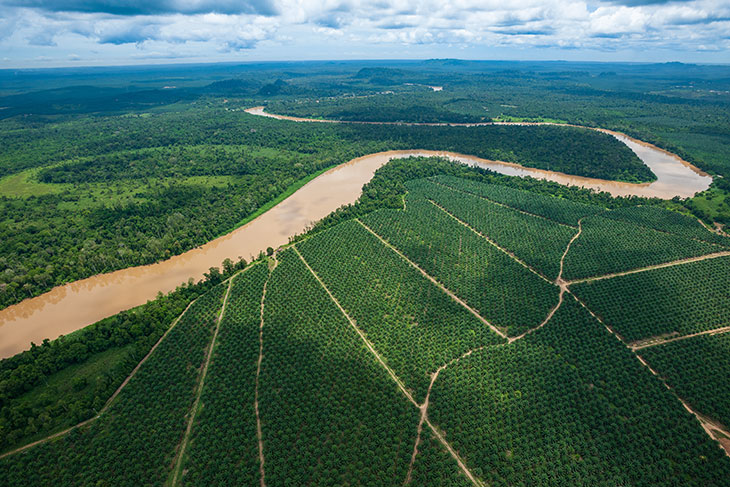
[{"x": 183, "y": 63}]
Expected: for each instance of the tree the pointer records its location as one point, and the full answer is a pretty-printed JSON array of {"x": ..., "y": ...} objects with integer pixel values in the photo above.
[{"x": 228, "y": 267}]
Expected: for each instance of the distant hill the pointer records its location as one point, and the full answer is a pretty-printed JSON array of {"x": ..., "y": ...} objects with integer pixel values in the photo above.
[
  {"x": 233, "y": 87},
  {"x": 279, "y": 87}
]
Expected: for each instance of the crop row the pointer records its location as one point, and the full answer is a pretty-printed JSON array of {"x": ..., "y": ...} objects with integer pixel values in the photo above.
[
  {"x": 223, "y": 448},
  {"x": 680, "y": 299},
  {"x": 330, "y": 413},
  {"x": 606, "y": 246},
  {"x": 410, "y": 321},
  {"x": 551, "y": 207},
  {"x": 697, "y": 368},
  {"x": 536, "y": 241},
  {"x": 135, "y": 442},
  {"x": 501, "y": 290},
  {"x": 667, "y": 221},
  {"x": 569, "y": 405}
]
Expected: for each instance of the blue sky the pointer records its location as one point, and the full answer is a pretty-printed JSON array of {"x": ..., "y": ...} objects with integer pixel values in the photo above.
[{"x": 47, "y": 33}]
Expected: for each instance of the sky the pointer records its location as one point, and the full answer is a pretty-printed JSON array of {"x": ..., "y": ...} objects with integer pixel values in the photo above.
[{"x": 51, "y": 33}]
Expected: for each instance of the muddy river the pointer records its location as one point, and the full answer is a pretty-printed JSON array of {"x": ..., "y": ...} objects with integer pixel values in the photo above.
[{"x": 73, "y": 306}]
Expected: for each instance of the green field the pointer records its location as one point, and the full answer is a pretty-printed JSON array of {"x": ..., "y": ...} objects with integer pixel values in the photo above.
[
  {"x": 414, "y": 324},
  {"x": 504, "y": 292},
  {"x": 676, "y": 300},
  {"x": 570, "y": 406},
  {"x": 697, "y": 368},
  {"x": 452, "y": 327},
  {"x": 369, "y": 345}
]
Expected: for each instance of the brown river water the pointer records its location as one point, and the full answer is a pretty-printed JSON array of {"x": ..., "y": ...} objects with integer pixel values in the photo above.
[{"x": 73, "y": 306}]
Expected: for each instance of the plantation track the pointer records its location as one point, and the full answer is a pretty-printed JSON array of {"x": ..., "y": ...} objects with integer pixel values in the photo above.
[
  {"x": 259, "y": 433},
  {"x": 422, "y": 407},
  {"x": 111, "y": 398},
  {"x": 454, "y": 454},
  {"x": 714, "y": 430},
  {"x": 503, "y": 205},
  {"x": 419, "y": 429},
  {"x": 360, "y": 333},
  {"x": 558, "y": 282},
  {"x": 495, "y": 244},
  {"x": 707, "y": 425},
  {"x": 655, "y": 341},
  {"x": 434, "y": 281},
  {"x": 717, "y": 228},
  {"x": 201, "y": 384},
  {"x": 688, "y": 260}
]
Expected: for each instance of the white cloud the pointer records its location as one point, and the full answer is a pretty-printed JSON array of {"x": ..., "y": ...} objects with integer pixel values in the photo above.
[{"x": 539, "y": 24}]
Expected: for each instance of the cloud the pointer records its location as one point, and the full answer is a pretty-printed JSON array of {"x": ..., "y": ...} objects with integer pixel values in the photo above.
[
  {"x": 133, "y": 35},
  {"x": 42, "y": 38},
  {"x": 392, "y": 25},
  {"x": 526, "y": 31},
  {"x": 207, "y": 27},
  {"x": 641, "y": 3},
  {"x": 615, "y": 21},
  {"x": 332, "y": 20},
  {"x": 7, "y": 27},
  {"x": 686, "y": 15},
  {"x": 151, "y": 7},
  {"x": 228, "y": 32}
]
